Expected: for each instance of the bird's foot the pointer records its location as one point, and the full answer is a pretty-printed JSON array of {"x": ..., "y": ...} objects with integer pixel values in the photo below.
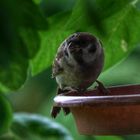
[
  {"x": 102, "y": 88},
  {"x": 55, "y": 111},
  {"x": 66, "y": 110}
]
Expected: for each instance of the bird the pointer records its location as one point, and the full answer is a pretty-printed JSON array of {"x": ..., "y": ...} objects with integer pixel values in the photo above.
[{"x": 78, "y": 63}]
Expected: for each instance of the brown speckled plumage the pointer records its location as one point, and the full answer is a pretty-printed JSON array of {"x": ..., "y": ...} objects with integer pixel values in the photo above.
[
  {"x": 78, "y": 74},
  {"x": 78, "y": 63}
]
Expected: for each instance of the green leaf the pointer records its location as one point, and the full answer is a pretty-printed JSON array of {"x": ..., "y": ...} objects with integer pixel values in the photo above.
[
  {"x": 31, "y": 40},
  {"x": 32, "y": 17},
  {"x": 116, "y": 23},
  {"x": 123, "y": 34},
  {"x": 31, "y": 125},
  {"x": 5, "y": 114},
  {"x": 13, "y": 66},
  {"x": 49, "y": 43},
  {"x": 53, "y": 7},
  {"x": 89, "y": 15},
  {"x": 117, "y": 27},
  {"x": 19, "y": 40}
]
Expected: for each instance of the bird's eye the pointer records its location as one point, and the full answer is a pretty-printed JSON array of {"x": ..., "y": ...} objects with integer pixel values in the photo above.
[{"x": 92, "y": 49}]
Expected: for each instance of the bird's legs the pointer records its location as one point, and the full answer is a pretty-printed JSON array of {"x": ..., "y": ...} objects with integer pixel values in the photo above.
[
  {"x": 55, "y": 109},
  {"x": 102, "y": 88}
]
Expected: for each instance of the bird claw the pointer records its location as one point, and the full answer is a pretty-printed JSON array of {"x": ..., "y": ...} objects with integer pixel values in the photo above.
[
  {"x": 66, "y": 110},
  {"x": 102, "y": 88},
  {"x": 55, "y": 111}
]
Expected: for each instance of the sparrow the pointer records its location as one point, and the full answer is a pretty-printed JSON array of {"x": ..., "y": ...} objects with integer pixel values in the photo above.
[{"x": 77, "y": 64}]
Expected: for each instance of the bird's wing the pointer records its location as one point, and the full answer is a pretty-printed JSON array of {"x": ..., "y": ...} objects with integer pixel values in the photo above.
[{"x": 56, "y": 68}]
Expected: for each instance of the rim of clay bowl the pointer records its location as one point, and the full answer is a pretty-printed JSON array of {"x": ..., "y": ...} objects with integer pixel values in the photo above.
[{"x": 118, "y": 95}]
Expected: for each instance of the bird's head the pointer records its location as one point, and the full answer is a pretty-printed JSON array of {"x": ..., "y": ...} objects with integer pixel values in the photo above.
[{"x": 82, "y": 47}]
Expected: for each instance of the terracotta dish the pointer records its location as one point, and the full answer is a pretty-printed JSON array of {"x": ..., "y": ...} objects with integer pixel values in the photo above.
[{"x": 98, "y": 114}]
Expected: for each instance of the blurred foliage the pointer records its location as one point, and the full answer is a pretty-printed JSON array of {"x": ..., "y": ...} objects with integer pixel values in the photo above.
[
  {"x": 5, "y": 114},
  {"x": 30, "y": 33},
  {"x": 35, "y": 127},
  {"x": 109, "y": 138},
  {"x": 19, "y": 39},
  {"x": 116, "y": 32},
  {"x": 52, "y": 7},
  {"x": 124, "y": 73},
  {"x": 32, "y": 127},
  {"x": 23, "y": 39}
]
